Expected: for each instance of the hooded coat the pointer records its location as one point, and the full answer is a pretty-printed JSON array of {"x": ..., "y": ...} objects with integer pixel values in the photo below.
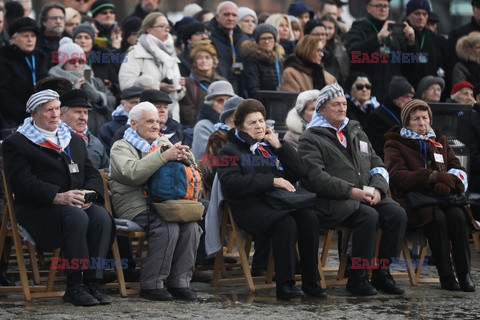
[
  {"x": 260, "y": 68},
  {"x": 468, "y": 68},
  {"x": 295, "y": 127},
  {"x": 407, "y": 171}
]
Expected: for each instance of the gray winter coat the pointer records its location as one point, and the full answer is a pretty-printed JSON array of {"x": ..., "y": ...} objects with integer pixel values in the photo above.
[{"x": 332, "y": 171}]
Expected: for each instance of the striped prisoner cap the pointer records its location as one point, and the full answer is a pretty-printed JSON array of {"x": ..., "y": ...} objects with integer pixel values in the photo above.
[
  {"x": 39, "y": 98},
  {"x": 328, "y": 92}
]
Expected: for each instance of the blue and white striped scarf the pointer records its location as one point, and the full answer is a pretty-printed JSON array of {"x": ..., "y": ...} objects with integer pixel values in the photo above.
[
  {"x": 220, "y": 126},
  {"x": 71, "y": 129},
  {"x": 409, "y": 134},
  {"x": 31, "y": 133},
  {"x": 373, "y": 102},
  {"x": 119, "y": 111},
  {"x": 135, "y": 140}
]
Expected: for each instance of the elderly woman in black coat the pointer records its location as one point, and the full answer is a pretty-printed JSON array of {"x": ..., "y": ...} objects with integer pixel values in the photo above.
[{"x": 244, "y": 185}]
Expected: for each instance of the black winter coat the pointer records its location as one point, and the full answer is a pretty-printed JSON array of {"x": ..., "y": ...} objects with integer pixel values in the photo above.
[
  {"x": 260, "y": 67},
  {"x": 221, "y": 40},
  {"x": 36, "y": 174},
  {"x": 363, "y": 37},
  {"x": 379, "y": 122},
  {"x": 16, "y": 84},
  {"x": 244, "y": 185}
]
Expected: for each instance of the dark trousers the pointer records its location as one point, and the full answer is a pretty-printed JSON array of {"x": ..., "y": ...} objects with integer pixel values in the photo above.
[
  {"x": 449, "y": 227},
  {"x": 302, "y": 225},
  {"x": 389, "y": 217},
  {"x": 86, "y": 234}
]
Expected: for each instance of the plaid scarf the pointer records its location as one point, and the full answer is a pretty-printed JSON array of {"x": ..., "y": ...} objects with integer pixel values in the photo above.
[
  {"x": 409, "y": 134},
  {"x": 319, "y": 121},
  {"x": 32, "y": 134},
  {"x": 83, "y": 134},
  {"x": 139, "y": 143}
]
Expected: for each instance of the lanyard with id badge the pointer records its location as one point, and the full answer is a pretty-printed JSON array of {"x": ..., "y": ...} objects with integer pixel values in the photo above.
[{"x": 72, "y": 167}]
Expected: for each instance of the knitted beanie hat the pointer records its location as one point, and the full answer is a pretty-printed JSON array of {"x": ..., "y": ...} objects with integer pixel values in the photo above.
[
  {"x": 85, "y": 27},
  {"x": 413, "y": 5},
  {"x": 69, "y": 50},
  {"x": 410, "y": 106},
  {"x": 264, "y": 28}
]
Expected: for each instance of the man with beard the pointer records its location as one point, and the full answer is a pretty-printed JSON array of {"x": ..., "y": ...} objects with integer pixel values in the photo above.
[
  {"x": 145, "y": 7},
  {"x": 52, "y": 29}
]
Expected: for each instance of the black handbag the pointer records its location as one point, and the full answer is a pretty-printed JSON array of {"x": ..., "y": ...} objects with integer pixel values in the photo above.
[
  {"x": 283, "y": 199},
  {"x": 419, "y": 199}
]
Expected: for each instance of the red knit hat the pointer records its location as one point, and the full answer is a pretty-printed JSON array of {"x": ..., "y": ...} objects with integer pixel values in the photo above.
[{"x": 460, "y": 85}]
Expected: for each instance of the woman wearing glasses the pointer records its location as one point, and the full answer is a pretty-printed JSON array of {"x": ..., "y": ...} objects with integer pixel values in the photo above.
[
  {"x": 154, "y": 55},
  {"x": 72, "y": 66},
  {"x": 360, "y": 100},
  {"x": 263, "y": 60}
]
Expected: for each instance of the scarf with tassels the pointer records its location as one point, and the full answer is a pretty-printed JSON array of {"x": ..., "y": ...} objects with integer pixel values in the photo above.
[
  {"x": 33, "y": 134},
  {"x": 132, "y": 137}
]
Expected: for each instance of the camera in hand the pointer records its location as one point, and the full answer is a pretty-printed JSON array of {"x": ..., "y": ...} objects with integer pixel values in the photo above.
[
  {"x": 396, "y": 28},
  {"x": 90, "y": 197}
]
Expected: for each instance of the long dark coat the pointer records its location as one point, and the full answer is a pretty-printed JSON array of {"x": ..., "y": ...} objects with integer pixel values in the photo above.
[
  {"x": 36, "y": 174},
  {"x": 244, "y": 186}
]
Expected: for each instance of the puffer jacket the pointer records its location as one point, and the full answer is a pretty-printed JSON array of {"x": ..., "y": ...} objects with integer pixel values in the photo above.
[
  {"x": 332, "y": 171},
  {"x": 260, "y": 68}
]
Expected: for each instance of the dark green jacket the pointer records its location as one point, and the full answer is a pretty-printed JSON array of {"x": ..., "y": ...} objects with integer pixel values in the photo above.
[{"x": 332, "y": 171}]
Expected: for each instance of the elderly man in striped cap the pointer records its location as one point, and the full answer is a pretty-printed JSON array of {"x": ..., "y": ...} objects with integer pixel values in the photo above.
[
  {"x": 58, "y": 196},
  {"x": 351, "y": 184}
]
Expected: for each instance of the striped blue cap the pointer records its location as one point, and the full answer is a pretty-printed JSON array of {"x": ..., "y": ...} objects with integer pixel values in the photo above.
[
  {"x": 39, "y": 98},
  {"x": 328, "y": 92}
]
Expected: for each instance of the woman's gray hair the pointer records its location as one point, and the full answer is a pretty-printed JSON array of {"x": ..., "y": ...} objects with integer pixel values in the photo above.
[{"x": 137, "y": 112}]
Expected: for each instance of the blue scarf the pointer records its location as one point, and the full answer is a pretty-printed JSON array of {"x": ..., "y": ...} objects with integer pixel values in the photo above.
[
  {"x": 31, "y": 133},
  {"x": 369, "y": 105},
  {"x": 139, "y": 143},
  {"x": 409, "y": 134},
  {"x": 319, "y": 121},
  {"x": 220, "y": 126},
  {"x": 119, "y": 111}
]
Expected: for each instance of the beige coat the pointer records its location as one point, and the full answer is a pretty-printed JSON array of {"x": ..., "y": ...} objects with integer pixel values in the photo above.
[{"x": 294, "y": 80}]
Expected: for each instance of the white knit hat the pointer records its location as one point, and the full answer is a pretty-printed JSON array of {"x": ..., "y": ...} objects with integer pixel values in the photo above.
[
  {"x": 245, "y": 11},
  {"x": 69, "y": 50},
  {"x": 304, "y": 98},
  {"x": 329, "y": 92}
]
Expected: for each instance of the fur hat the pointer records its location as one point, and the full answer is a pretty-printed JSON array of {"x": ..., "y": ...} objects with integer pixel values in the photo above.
[
  {"x": 85, "y": 27},
  {"x": 426, "y": 82},
  {"x": 413, "y": 5},
  {"x": 411, "y": 106},
  {"x": 329, "y": 92},
  {"x": 245, "y": 11},
  {"x": 398, "y": 87},
  {"x": 304, "y": 98},
  {"x": 69, "y": 50},
  {"x": 264, "y": 28},
  {"x": 465, "y": 47},
  {"x": 207, "y": 46}
]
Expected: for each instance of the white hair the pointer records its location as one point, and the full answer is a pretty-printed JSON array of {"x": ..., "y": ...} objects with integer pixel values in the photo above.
[
  {"x": 137, "y": 112},
  {"x": 223, "y": 4}
]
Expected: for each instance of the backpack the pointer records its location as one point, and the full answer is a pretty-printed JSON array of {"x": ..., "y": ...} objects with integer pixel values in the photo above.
[{"x": 175, "y": 180}]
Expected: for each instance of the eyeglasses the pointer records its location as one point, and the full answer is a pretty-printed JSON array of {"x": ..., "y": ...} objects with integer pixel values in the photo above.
[
  {"x": 162, "y": 26},
  {"x": 361, "y": 86},
  {"x": 380, "y": 6},
  {"x": 75, "y": 61},
  {"x": 266, "y": 39},
  {"x": 61, "y": 18}
]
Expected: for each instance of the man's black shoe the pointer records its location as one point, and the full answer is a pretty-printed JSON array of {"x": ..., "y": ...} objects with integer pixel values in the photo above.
[
  {"x": 79, "y": 295},
  {"x": 358, "y": 284},
  {"x": 449, "y": 283},
  {"x": 183, "y": 294},
  {"x": 288, "y": 291},
  {"x": 466, "y": 282},
  {"x": 5, "y": 280},
  {"x": 383, "y": 280},
  {"x": 98, "y": 294},
  {"x": 314, "y": 290},
  {"x": 156, "y": 294}
]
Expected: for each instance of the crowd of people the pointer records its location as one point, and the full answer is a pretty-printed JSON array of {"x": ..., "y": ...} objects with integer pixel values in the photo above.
[{"x": 81, "y": 92}]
